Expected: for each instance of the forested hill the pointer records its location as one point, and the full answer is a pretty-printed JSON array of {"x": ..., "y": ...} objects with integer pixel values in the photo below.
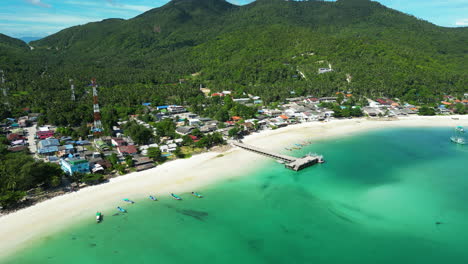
[
  {"x": 10, "y": 42},
  {"x": 268, "y": 47}
]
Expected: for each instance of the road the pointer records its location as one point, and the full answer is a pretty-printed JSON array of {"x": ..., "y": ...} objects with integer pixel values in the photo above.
[{"x": 31, "y": 141}]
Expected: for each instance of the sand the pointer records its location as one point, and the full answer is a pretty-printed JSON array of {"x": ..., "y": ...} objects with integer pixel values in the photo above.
[{"x": 22, "y": 228}]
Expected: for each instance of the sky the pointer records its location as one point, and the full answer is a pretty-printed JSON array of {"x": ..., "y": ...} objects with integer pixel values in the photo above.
[{"x": 39, "y": 18}]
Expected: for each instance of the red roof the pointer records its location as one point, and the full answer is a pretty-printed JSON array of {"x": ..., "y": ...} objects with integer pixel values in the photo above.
[
  {"x": 284, "y": 117},
  {"x": 13, "y": 137},
  {"x": 127, "y": 149},
  {"x": 217, "y": 94},
  {"x": 17, "y": 148},
  {"x": 236, "y": 118}
]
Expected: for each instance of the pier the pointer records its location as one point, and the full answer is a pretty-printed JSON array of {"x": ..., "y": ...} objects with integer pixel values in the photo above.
[{"x": 292, "y": 163}]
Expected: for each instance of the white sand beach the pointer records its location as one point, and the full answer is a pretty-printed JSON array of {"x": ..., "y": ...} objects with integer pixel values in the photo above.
[{"x": 20, "y": 229}]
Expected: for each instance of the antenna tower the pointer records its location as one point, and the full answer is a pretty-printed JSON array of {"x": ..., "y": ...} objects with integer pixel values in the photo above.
[
  {"x": 97, "y": 129},
  {"x": 72, "y": 87}
]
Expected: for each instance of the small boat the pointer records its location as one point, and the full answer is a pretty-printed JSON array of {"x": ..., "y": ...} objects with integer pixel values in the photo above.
[
  {"x": 197, "y": 195},
  {"x": 176, "y": 197},
  {"x": 128, "y": 201},
  {"x": 458, "y": 140},
  {"x": 460, "y": 129},
  {"x": 121, "y": 209},
  {"x": 153, "y": 198},
  {"x": 98, "y": 217}
]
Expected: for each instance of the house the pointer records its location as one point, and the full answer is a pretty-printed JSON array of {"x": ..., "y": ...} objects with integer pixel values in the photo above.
[
  {"x": 18, "y": 149},
  {"x": 101, "y": 145},
  {"x": 371, "y": 111},
  {"x": 66, "y": 149},
  {"x": 328, "y": 99},
  {"x": 241, "y": 100},
  {"x": 20, "y": 142},
  {"x": 324, "y": 70},
  {"x": 74, "y": 165},
  {"x": 172, "y": 147},
  {"x": 194, "y": 138},
  {"x": 14, "y": 137},
  {"x": 175, "y": 109},
  {"x": 50, "y": 142},
  {"x": 194, "y": 122},
  {"x": 127, "y": 150},
  {"x": 143, "y": 163},
  {"x": 44, "y": 134},
  {"x": 117, "y": 142},
  {"x": 164, "y": 148},
  {"x": 207, "y": 129},
  {"x": 184, "y": 130},
  {"x": 236, "y": 118}
]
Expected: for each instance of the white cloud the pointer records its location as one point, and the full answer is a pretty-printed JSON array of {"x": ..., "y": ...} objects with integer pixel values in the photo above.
[
  {"x": 38, "y": 3},
  {"x": 111, "y": 4},
  {"x": 48, "y": 18},
  {"x": 462, "y": 22}
]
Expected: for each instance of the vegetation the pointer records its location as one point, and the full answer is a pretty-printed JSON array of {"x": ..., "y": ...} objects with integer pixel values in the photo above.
[
  {"x": 267, "y": 48},
  {"x": 20, "y": 173}
]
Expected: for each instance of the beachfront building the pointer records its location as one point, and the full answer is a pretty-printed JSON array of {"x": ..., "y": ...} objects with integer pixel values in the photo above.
[
  {"x": 127, "y": 150},
  {"x": 74, "y": 165}
]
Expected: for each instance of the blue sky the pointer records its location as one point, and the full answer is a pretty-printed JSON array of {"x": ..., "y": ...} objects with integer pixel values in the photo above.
[{"x": 38, "y": 18}]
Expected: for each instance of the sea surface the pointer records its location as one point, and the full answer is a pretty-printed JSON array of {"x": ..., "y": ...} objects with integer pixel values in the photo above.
[{"x": 387, "y": 196}]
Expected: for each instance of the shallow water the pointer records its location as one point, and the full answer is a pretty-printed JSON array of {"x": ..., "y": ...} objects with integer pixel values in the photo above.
[{"x": 376, "y": 200}]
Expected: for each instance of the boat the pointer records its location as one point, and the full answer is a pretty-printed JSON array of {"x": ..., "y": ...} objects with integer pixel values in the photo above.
[
  {"x": 153, "y": 198},
  {"x": 98, "y": 217},
  {"x": 128, "y": 201},
  {"x": 280, "y": 161},
  {"x": 197, "y": 195},
  {"x": 176, "y": 197},
  {"x": 121, "y": 209},
  {"x": 460, "y": 129},
  {"x": 458, "y": 140}
]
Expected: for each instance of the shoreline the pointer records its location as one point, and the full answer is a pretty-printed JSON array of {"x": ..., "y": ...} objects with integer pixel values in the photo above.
[{"x": 26, "y": 226}]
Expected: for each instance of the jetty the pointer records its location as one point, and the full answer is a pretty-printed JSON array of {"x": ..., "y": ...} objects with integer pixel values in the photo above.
[{"x": 292, "y": 163}]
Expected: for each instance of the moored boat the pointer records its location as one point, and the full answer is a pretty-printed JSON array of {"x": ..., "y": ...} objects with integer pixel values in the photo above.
[
  {"x": 458, "y": 140},
  {"x": 98, "y": 217},
  {"x": 121, "y": 209},
  {"x": 153, "y": 198},
  {"x": 197, "y": 195},
  {"x": 176, "y": 197},
  {"x": 128, "y": 201},
  {"x": 460, "y": 129}
]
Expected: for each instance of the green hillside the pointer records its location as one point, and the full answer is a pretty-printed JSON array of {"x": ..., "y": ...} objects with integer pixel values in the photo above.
[{"x": 269, "y": 48}]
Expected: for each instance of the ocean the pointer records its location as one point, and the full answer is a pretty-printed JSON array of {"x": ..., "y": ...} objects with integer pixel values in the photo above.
[{"x": 386, "y": 196}]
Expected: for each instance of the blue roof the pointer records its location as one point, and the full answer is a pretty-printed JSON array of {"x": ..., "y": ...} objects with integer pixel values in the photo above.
[
  {"x": 68, "y": 147},
  {"x": 48, "y": 150},
  {"x": 163, "y": 107},
  {"x": 82, "y": 142},
  {"x": 49, "y": 142},
  {"x": 146, "y": 104}
]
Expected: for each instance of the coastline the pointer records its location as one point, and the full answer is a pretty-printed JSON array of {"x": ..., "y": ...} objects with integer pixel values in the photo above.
[{"x": 24, "y": 227}]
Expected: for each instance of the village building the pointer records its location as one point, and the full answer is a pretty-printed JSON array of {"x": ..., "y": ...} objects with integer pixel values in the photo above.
[
  {"x": 74, "y": 165},
  {"x": 175, "y": 109},
  {"x": 184, "y": 130},
  {"x": 117, "y": 142},
  {"x": 324, "y": 70},
  {"x": 44, "y": 134},
  {"x": 127, "y": 150}
]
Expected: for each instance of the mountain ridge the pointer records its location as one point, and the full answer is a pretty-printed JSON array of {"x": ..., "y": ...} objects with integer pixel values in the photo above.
[{"x": 259, "y": 48}]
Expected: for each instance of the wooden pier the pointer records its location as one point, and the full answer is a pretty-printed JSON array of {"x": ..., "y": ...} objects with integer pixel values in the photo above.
[{"x": 292, "y": 163}]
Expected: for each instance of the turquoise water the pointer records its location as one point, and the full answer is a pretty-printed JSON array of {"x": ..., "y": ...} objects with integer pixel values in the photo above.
[{"x": 376, "y": 200}]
